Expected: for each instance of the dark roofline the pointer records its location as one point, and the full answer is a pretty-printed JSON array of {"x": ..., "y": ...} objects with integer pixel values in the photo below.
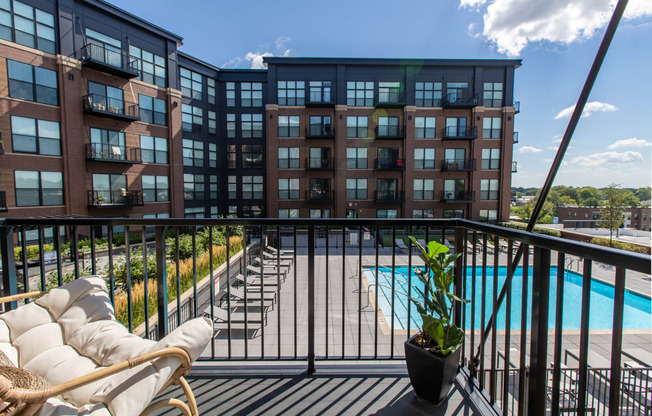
[
  {"x": 197, "y": 60},
  {"x": 241, "y": 70},
  {"x": 110, "y": 8},
  {"x": 288, "y": 60}
]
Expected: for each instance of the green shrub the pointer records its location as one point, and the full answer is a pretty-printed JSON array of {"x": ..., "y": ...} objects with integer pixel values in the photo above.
[
  {"x": 135, "y": 267},
  {"x": 620, "y": 245},
  {"x": 538, "y": 230}
]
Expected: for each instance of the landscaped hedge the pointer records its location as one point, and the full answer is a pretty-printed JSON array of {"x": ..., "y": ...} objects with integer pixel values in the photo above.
[
  {"x": 538, "y": 230},
  {"x": 620, "y": 245}
]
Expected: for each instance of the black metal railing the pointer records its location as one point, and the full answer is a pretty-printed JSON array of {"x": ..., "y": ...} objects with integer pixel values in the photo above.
[
  {"x": 389, "y": 196},
  {"x": 460, "y": 100},
  {"x": 320, "y": 163},
  {"x": 321, "y": 102},
  {"x": 514, "y": 167},
  {"x": 107, "y": 59},
  {"x": 123, "y": 198},
  {"x": 515, "y": 137},
  {"x": 517, "y": 107},
  {"x": 112, "y": 153},
  {"x": 319, "y": 195},
  {"x": 389, "y": 164},
  {"x": 390, "y": 100},
  {"x": 3, "y": 201},
  {"x": 110, "y": 107},
  {"x": 390, "y": 132},
  {"x": 320, "y": 132},
  {"x": 456, "y": 165},
  {"x": 336, "y": 300},
  {"x": 457, "y": 196},
  {"x": 454, "y": 132}
]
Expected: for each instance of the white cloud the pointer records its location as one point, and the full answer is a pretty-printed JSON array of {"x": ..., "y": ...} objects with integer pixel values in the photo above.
[
  {"x": 589, "y": 108},
  {"x": 256, "y": 58},
  {"x": 529, "y": 149},
  {"x": 281, "y": 41},
  {"x": 633, "y": 142},
  {"x": 233, "y": 63},
  {"x": 606, "y": 158},
  {"x": 513, "y": 24}
]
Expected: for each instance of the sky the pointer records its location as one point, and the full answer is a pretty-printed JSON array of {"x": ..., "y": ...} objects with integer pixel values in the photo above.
[{"x": 556, "y": 39}]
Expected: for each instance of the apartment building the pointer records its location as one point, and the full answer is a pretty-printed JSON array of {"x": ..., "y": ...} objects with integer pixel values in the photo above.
[
  {"x": 638, "y": 218},
  {"x": 102, "y": 116}
]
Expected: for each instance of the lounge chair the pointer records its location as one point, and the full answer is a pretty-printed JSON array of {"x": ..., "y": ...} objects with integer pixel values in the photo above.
[
  {"x": 283, "y": 264},
  {"x": 86, "y": 362},
  {"x": 221, "y": 318},
  {"x": 255, "y": 282},
  {"x": 267, "y": 271},
  {"x": 283, "y": 252},
  {"x": 272, "y": 257},
  {"x": 400, "y": 244},
  {"x": 265, "y": 299}
]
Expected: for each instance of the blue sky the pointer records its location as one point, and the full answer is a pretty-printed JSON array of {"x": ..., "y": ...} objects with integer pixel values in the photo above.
[{"x": 556, "y": 39}]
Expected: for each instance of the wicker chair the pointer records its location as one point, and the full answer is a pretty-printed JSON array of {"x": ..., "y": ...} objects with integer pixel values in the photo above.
[{"x": 65, "y": 354}]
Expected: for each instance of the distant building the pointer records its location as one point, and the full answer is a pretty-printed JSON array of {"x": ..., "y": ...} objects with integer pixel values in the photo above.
[{"x": 589, "y": 217}]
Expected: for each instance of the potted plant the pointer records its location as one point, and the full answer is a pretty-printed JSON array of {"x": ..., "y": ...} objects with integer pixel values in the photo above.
[{"x": 433, "y": 354}]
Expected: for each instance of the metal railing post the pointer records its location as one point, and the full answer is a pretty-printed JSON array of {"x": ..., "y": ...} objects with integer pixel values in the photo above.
[
  {"x": 311, "y": 299},
  {"x": 161, "y": 283},
  {"x": 8, "y": 265}
]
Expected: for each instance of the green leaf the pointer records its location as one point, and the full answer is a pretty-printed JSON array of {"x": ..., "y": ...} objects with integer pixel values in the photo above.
[
  {"x": 435, "y": 248},
  {"x": 453, "y": 341},
  {"x": 433, "y": 328}
]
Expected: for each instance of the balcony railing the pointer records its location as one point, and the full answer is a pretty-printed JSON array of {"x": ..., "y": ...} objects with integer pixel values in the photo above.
[
  {"x": 102, "y": 106},
  {"x": 460, "y": 100},
  {"x": 515, "y": 137},
  {"x": 389, "y": 164},
  {"x": 3, "y": 201},
  {"x": 112, "y": 153},
  {"x": 320, "y": 163},
  {"x": 320, "y": 132},
  {"x": 460, "y": 133},
  {"x": 514, "y": 167},
  {"x": 320, "y": 103},
  {"x": 517, "y": 107},
  {"x": 390, "y": 132},
  {"x": 390, "y": 100},
  {"x": 120, "y": 198},
  {"x": 326, "y": 195},
  {"x": 457, "y": 196},
  {"x": 534, "y": 303},
  {"x": 458, "y": 165},
  {"x": 389, "y": 196},
  {"x": 106, "y": 59}
]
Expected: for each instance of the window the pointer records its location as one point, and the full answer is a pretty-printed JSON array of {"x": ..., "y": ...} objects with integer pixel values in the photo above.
[
  {"x": 230, "y": 126},
  {"x": 152, "y": 110},
  {"x": 154, "y": 149},
  {"x": 252, "y": 156},
  {"x": 389, "y": 92},
  {"x": 489, "y": 189},
  {"x": 386, "y": 213},
  {"x": 457, "y": 92},
  {"x": 210, "y": 90},
  {"x": 387, "y": 189},
  {"x": 252, "y": 126},
  {"x": 159, "y": 215},
  {"x": 251, "y": 94},
  {"x": 212, "y": 122},
  {"x": 428, "y": 94},
  {"x": 491, "y": 128},
  {"x": 356, "y": 188},
  {"x": 424, "y": 158},
  {"x": 288, "y": 126},
  {"x": 191, "y": 84},
  {"x": 194, "y": 212},
  {"x": 320, "y": 213},
  {"x": 110, "y": 189},
  {"x": 356, "y": 158},
  {"x": 288, "y": 158},
  {"x": 151, "y": 67},
  {"x": 231, "y": 156},
  {"x": 321, "y": 126},
  {"x": 230, "y": 94},
  {"x": 252, "y": 211},
  {"x": 31, "y": 27},
  {"x": 388, "y": 126},
  {"x": 387, "y": 155},
  {"x": 455, "y": 189},
  {"x": 490, "y": 158},
  {"x": 193, "y": 187},
  {"x": 488, "y": 215},
  {"x": 192, "y": 118},
  {"x": 453, "y": 213},
  {"x": 106, "y": 98},
  {"x": 29, "y": 135},
  {"x": 357, "y": 126},
  {"x": 320, "y": 92},
  {"x": 492, "y": 95},
  {"x": 320, "y": 157},
  {"x": 212, "y": 186},
  {"x": 212, "y": 155},
  {"x": 193, "y": 153},
  {"x": 291, "y": 92},
  {"x": 455, "y": 126},
  {"x": 288, "y": 188},
  {"x": 34, "y": 188},
  {"x": 252, "y": 187},
  {"x": 423, "y": 213},
  {"x": 103, "y": 48},
  {"x": 455, "y": 159},
  {"x": 424, "y": 127},
  {"x": 360, "y": 93},
  {"x": 424, "y": 189},
  {"x": 108, "y": 144},
  {"x": 288, "y": 213},
  {"x": 232, "y": 187},
  {"x": 32, "y": 83},
  {"x": 155, "y": 188}
]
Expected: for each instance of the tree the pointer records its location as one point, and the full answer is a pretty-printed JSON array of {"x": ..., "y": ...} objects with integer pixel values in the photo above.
[
  {"x": 611, "y": 215},
  {"x": 525, "y": 211},
  {"x": 643, "y": 194}
]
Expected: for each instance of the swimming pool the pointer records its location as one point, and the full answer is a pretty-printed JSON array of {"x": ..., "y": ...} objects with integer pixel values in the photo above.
[{"x": 637, "y": 312}]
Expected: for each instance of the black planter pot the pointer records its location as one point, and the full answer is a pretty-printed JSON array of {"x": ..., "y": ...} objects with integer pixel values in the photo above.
[{"x": 431, "y": 376}]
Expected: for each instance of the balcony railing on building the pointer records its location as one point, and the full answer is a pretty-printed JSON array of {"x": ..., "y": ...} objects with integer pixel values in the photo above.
[
  {"x": 390, "y": 100},
  {"x": 3, "y": 201},
  {"x": 517, "y": 107},
  {"x": 460, "y": 99},
  {"x": 389, "y": 196},
  {"x": 120, "y": 198},
  {"x": 320, "y": 163},
  {"x": 457, "y": 196},
  {"x": 460, "y": 133},
  {"x": 107, "y": 59},
  {"x": 389, "y": 164},
  {"x": 320, "y": 131},
  {"x": 515, "y": 137},
  {"x": 102, "y": 152},
  {"x": 390, "y": 132},
  {"x": 458, "y": 165},
  {"x": 514, "y": 167},
  {"x": 320, "y": 195},
  {"x": 109, "y": 107},
  {"x": 321, "y": 101}
]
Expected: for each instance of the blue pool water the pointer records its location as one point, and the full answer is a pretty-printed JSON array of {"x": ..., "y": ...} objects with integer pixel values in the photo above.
[{"x": 637, "y": 312}]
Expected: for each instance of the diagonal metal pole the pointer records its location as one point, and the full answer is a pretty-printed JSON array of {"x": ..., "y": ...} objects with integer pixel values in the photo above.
[{"x": 563, "y": 146}]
